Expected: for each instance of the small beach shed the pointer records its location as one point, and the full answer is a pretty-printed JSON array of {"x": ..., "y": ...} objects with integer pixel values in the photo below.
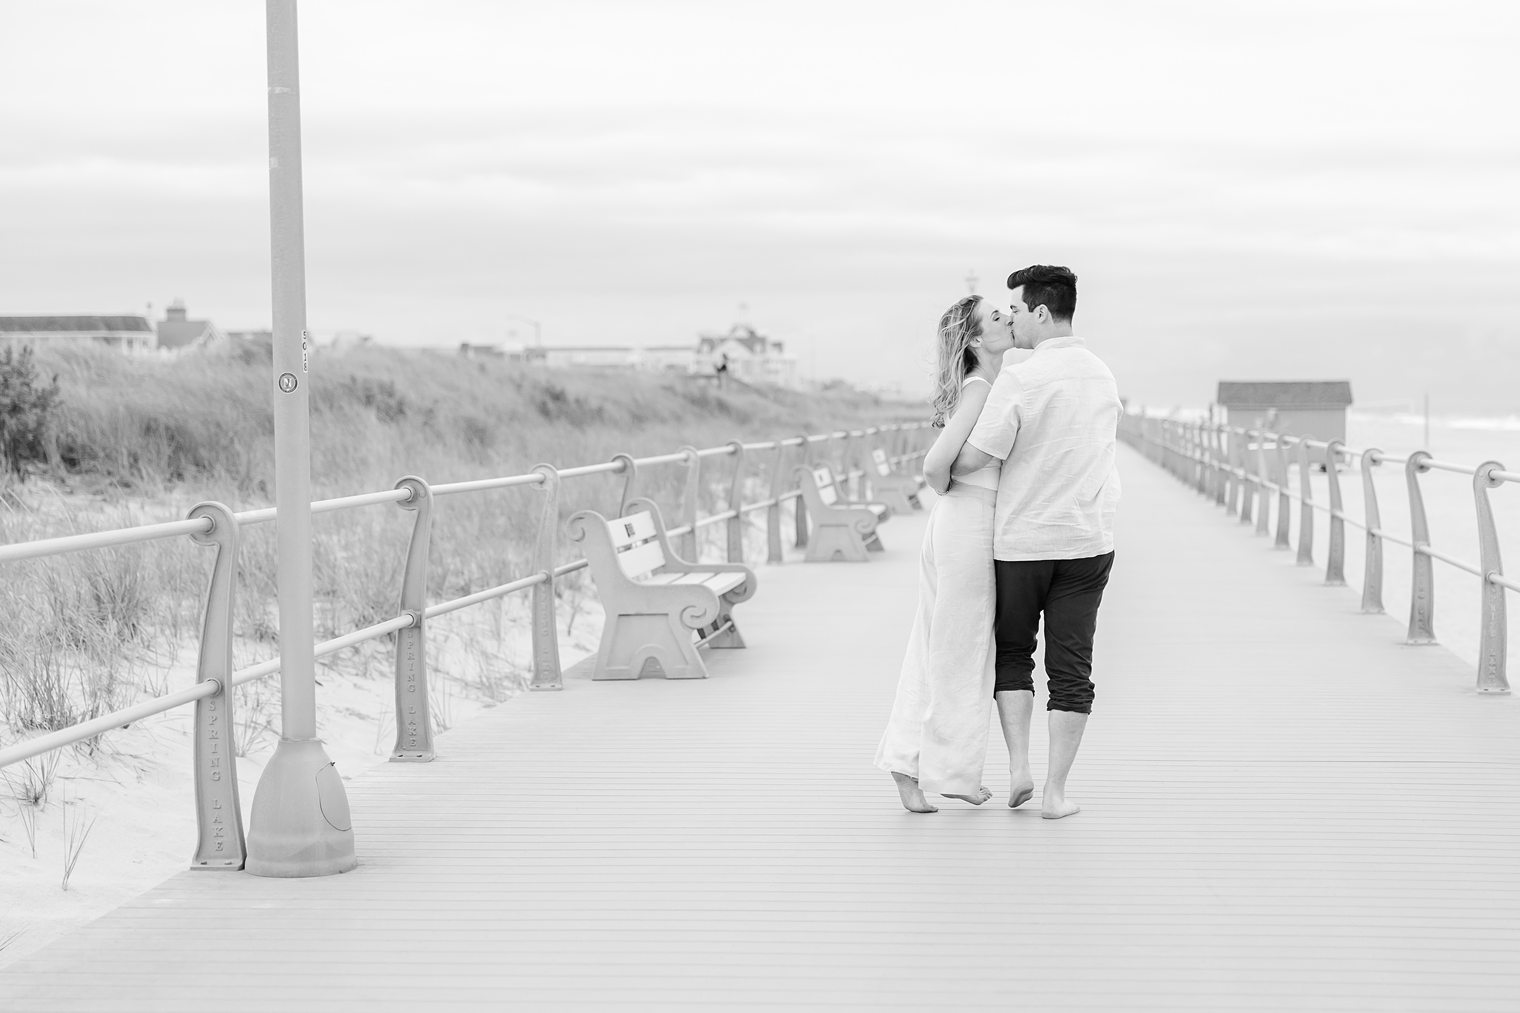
[{"x": 1313, "y": 408}]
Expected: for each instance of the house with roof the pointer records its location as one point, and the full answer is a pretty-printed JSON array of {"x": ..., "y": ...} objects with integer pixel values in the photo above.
[
  {"x": 128, "y": 333},
  {"x": 1312, "y": 408},
  {"x": 176, "y": 332},
  {"x": 750, "y": 356}
]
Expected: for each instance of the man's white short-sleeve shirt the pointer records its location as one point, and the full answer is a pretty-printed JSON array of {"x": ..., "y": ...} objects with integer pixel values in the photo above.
[{"x": 1053, "y": 421}]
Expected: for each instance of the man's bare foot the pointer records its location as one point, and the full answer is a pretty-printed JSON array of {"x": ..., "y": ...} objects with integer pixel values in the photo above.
[
  {"x": 1053, "y": 805},
  {"x": 983, "y": 793},
  {"x": 912, "y": 796},
  {"x": 1020, "y": 794}
]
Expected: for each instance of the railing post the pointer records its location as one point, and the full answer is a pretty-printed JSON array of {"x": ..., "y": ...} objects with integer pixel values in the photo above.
[
  {"x": 854, "y": 485},
  {"x": 1493, "y": 641},
  {"x": 547, "y": 673},
  {"x": 1206, "y": 449},
  {"x": 869, "y": 440},
  {"x": 220, "y": 843},
  {"x": 1222, "y": 475},
  {"x": 1174, "y": 441},
  {"x": 1206, "y": 440},
  {"x": 799, "y": 511},
  {"x": 735, "y": 526},
  {"x": 1305, "y": 506},
  {"x": 1208, "y": 476},
  {"x": 1200, "y": 458},
  {"x": 1280, "y": 444},
  {"x": 1248, "y": 481},
  {"x": 773, "y": 512},
  {"x": 1372, "y": 567},
  {"x": 831, "y": 454},
  {"x": 1422, "y": 591},
  {"x": 688, "y": 548},
  {"x": 1234, "y": 479},
  {"x": 1263, "y": 485},
  {"x": 414, "y": 718},
  {"x": 1335, "y": 565},
  {"x": 630, "y": 472},
  {"x": 1198, "y": 468}
]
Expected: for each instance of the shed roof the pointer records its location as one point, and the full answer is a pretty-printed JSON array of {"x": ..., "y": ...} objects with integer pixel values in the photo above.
[
  {"x": 183, "y": 333},
  {"x": 72, "y": 324},
  {"x": 1285, "y": 393}
]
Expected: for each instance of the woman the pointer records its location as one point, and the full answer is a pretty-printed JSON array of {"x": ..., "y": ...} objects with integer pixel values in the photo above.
[{"x": 936, "y": 739}]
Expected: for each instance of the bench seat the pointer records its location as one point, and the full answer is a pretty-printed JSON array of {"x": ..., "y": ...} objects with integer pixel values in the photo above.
[{"x": 659, "y": 607}]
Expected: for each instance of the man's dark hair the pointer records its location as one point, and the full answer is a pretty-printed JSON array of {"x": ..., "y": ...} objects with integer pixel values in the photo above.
[{"x": 1056, "y": 287}]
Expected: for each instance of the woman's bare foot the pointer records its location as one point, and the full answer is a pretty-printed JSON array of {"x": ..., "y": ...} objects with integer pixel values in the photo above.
[
  {"x": 1022, "y": 789},
  {"x": 912, "y": 796},
  {"x": 983, "y": 793},
  {"x": 1053, "y": 805}
]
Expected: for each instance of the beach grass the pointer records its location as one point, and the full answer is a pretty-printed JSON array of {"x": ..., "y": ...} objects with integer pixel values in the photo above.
[{"x": 141, "y": 439}]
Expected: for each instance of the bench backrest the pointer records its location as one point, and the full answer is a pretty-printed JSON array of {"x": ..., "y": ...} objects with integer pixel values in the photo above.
[
  {"x": 824, "y": 479},
  {"x": 883, "y": 467},
  {"x": 636, "y": 544}
]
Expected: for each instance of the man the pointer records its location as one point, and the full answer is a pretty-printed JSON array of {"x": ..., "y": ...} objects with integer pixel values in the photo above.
[{"x": 1053, "y": 420}]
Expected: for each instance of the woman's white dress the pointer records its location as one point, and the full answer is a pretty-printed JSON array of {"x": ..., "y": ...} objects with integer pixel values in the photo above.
[{"x": 938, "y": 729}]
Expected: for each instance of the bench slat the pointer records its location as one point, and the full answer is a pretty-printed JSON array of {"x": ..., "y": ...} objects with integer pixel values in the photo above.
[
  {"x": 719, "y": 582},
  {"x": 630, "y": 530},
  {"x": 825, "y": 479},
  {"x": 640, "y": 559}
]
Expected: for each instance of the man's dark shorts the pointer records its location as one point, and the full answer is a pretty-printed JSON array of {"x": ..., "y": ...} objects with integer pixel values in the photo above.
[{"x": 1068, "y": 592}]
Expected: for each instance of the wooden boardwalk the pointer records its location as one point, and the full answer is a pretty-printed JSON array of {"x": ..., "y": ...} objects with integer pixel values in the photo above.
[{"x": 1284, "y": 808}]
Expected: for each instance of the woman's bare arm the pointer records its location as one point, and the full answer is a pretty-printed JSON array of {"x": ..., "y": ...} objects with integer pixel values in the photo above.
[{"x": 947, "y": 446}]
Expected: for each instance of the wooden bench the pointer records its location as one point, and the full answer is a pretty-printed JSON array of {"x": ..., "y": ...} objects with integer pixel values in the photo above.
[
  {"x": 659, "y": 607},
  {"x": 842, "y": 529},
  {"x": 900, "y": 492}
]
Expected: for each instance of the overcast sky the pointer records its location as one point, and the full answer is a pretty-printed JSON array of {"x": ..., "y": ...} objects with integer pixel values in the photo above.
[{"x": 1250, "y": 189}]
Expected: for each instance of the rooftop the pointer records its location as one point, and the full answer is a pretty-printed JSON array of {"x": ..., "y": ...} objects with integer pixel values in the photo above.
[{"x": 1284, "y": 393}]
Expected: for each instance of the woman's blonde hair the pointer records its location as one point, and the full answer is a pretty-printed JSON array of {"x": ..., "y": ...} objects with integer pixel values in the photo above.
[{"x": 960, "y": 326}]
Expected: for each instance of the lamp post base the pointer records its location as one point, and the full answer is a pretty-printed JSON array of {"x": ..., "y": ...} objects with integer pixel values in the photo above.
[{"x": 300, "y": 824}]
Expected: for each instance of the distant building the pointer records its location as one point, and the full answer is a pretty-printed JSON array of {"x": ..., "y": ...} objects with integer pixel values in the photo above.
[
  {"x": 582, "y": 356},
  {"x": 1313, "y": 408},
  {"x": 661, "y": 358},
  {"x": 130, "y": 334},
  {"x": 177, "y": 332},
  {"x": 481, "y": 350},
  {"x": 751, "y": 356}
]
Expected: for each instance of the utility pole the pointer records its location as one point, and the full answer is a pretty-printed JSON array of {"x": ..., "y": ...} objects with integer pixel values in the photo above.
[
  {"x": 299, "y": 824},
  {"x": 971, "y": 282}
]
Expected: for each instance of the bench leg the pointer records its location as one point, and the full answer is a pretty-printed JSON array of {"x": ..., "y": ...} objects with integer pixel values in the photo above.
[
  {"x": 729, "y": 638},
  {"x": 635, "y": 645},
  {"x": 831, "y": 542}
]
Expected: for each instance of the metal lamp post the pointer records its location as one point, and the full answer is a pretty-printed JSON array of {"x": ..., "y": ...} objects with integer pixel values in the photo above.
[{"x": 300, "y": 823}]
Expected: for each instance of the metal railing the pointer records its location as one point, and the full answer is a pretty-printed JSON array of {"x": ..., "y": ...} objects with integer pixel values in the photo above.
[
  {"x": 221, "y": 842},
  {"x": 1243, "y": 469}
]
